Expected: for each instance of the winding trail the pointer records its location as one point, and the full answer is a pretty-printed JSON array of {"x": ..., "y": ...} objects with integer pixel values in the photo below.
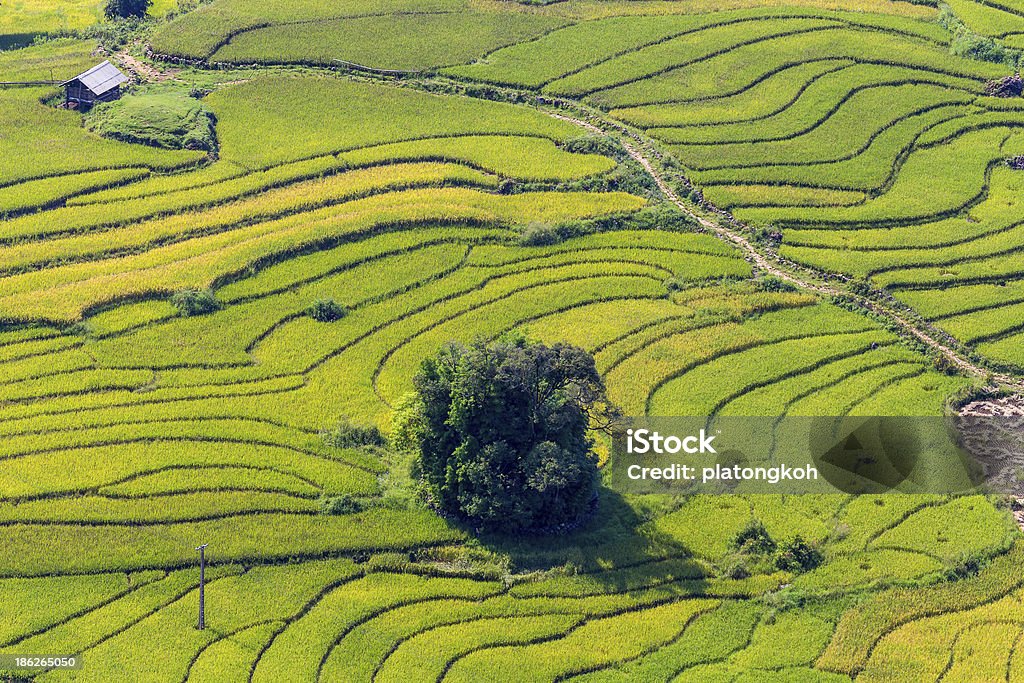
[{"x": 773, "y": 265}]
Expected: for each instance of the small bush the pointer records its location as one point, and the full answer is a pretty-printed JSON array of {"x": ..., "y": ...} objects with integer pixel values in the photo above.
[
  {"x": 349, "y": 435},
  {"x": 326, "y": 311},
  {"x": 191, "y": 302},
  {"x": 595, "y": 144},
  {"x": 771, "y": 283},
  {"x": 540, "y": 235},
  {"x": 796, "y": 555},
  {"x": 339, "y": 505},
  {"x": 736, "y": 568},
  {"x": 860, "y": 288},
  {"x": 966, "y": 566},
  {"x": 768, "y": 236},
  {"x": 753, "y": 539}
]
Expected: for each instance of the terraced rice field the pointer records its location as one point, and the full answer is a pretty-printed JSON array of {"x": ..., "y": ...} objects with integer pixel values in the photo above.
[
  {"x": 873, "y": 149},
  {"x": 130, "y": 434}
]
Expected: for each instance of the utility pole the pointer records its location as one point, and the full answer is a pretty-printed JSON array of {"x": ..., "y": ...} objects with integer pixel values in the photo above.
[{"x": 202, "y": 586}]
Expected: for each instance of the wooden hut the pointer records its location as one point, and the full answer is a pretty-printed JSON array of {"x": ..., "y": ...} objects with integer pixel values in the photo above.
[{"x": 102, "y": 83}]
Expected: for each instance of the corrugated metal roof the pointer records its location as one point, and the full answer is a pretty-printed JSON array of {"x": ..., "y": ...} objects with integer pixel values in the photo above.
[{"x": 101, "y": 78}]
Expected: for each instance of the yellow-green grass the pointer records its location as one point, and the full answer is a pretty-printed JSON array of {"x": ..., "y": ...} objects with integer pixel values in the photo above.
[
  {"x": 301, "y": 647},
  {"x": 155, "y": 509},
  {"x": 21, "y": 19},
  {"x": 820, "y": 100},
  {"x": 599, "y": 44},
  {"x": 932, "y": 182},
  {"x": 692, "y": 47},
  {"x": 939, "y": 530},
  {"x": 777, "y": 397},
  {"x": 168, "y": 637},
  {"x": 184, "y": 479},
  {"x": 199, "y": 33},
  {"x": 703, "y": 390},
  {"x": 140, "y": 597},
  {"x": 844, "y": 133},
  {"x": 999, "y": 268},
  {"x": 869, "y": 569},
  {"x": 666, "y": 358},
  {"x": 711, "y": 636},
  {"x": 860, "y": 628},
  {"x": 327, "y": 115},
  {"x": 41, "y": 141},
  {"x": 972, "y": 645},
  {"x": 1005, "y": 350},
  {"x": 774, "y": 93},
  {"x": 851, "y": 390},
  {"x": 1000, "y": 210},
  {"x": 47, "y": 191},
  {"x": 54, "y": 60},
  {"x": 737, "y": 69},
  {"x": 363, "y": 390},
  {"x": 427, "y": 656},
  {"x": 401, "y": 41},
  {"x": 734, "y": 196},
  {"x": 35, "y": 547},
  {"x": 870, "y": 170},
  {"x": 989, "y": 19},
  {"x": 65, "y": 292},
  {"x": 299, "y": 198},
  {"x": 65, "y": 596},
  {"x": 231, "y": 657},
  {"x": 525, "y": 158},
  {"x": 540, "y": 61},
  {"x": 597, "y": 642},
  {"x": 204, "y": 340}
]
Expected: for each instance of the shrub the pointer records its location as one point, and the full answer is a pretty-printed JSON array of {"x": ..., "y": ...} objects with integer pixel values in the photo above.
[
  {"x": 768, "y": 236},
  {"x": 796, "y": 555},
  {"x": 122, "y": 9},
  {"x": 753, "y": 539},
  {"x": 540, "y": 235},
  {"x": 771, "y": 283},
  {"x": 191, "y": 302},
  {"x": 350, "y": 435},
  {"x": 326, "y": 311},
  {"x": 735, "y": 567},
  {"x": 503, "y": 440},
  {"x": 595, "y": 144},
  {"x": 339, "y": 505}
]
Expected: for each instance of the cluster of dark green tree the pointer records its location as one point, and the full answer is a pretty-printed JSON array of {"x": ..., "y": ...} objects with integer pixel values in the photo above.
[
  {"x": 502, "y": 433},
  {"x": 755, "y": 551},
  {"x": 123, "y": 9}
]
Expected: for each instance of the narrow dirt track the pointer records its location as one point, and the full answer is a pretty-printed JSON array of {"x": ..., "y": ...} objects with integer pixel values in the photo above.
[
  {"x": 142, "y": 71},
  {"x": 770, "y": 264}
]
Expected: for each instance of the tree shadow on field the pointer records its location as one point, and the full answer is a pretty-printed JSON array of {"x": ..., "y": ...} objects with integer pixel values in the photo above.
[
  {"x": 618, "y": 548},
  {"x": 10, "y": 41}
]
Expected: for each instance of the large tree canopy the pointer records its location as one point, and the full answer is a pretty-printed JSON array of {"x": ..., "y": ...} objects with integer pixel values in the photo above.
[{"x": 502, "y": 433}]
